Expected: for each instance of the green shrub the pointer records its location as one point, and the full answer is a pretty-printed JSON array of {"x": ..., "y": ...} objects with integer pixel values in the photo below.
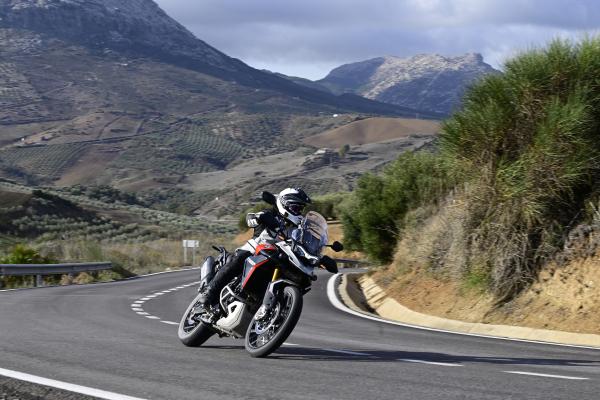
[
  {"x": 21, "y": 254},
  {"x": 329, "y": 206},
  {"x": 374, "y": 217},
  {"x": 527, "y": 141}
]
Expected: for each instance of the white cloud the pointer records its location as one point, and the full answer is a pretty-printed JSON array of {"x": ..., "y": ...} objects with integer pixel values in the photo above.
[{"x": 307, "y": 38}]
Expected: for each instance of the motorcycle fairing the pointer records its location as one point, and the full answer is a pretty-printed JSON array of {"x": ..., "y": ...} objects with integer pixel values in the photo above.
[{"x": 253, "y": 270}]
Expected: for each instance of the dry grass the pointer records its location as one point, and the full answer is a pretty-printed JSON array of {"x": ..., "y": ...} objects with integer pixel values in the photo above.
[{"x": 141, "y": 258}]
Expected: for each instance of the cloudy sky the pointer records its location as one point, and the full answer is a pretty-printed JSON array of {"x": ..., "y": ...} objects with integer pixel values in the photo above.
[{"x": 308, "y": 38}]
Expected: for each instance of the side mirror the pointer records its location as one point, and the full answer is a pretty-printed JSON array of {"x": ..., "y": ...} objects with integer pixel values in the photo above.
[
  {"x": 337, "y": 246},
  {"x": 269, "y": 198}
]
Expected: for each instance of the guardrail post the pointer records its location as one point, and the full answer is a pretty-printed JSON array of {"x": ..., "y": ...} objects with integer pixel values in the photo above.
[{"x": 39, "y": 281}]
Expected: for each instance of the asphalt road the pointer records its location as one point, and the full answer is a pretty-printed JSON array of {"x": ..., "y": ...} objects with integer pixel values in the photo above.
[{"x": 98, "y": 336}]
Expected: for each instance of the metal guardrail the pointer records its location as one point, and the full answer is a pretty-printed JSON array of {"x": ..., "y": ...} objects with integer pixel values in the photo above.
[
  {"x": 347, "y": 263},
  {"x": 51, "y": 269}
]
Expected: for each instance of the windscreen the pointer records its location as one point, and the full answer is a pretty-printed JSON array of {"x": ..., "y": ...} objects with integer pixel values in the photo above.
[{"x": 314, "y": 233}]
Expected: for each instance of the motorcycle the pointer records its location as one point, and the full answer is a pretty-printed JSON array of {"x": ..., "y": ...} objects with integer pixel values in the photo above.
[{"x": 264, "y": 304}]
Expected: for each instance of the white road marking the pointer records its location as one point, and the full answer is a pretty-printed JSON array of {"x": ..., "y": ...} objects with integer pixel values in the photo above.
[
  {"x": 353, "y": 353},
  {"x": 443, "y": 364},
  {"x": 70, "y": 387},
  {"x": 576, "y": 378},
  {"x": 290, "y": 344},
  {"x": 137, "y": 305},
  {"x": 337, "y": 303}
]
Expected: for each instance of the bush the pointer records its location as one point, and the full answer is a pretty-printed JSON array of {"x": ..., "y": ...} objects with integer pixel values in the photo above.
[
  {"x": 329, "y": 206},
  {"x": 374, "y": 218},
  {"x": 21, "y": 254},
  {"x": 527, "y": 141}
]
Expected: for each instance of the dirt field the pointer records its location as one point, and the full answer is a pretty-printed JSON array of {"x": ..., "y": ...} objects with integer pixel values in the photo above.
[{"x": 373, "y": 130}]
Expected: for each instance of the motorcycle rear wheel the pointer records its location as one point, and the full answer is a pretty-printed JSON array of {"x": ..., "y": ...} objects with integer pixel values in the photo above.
[
  {"x": 290, "y": 308},
  {"x": 192, "y": 332}
]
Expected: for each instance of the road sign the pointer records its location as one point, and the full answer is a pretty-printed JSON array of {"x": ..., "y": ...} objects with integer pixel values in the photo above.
[{"x": 191, "y": 243}]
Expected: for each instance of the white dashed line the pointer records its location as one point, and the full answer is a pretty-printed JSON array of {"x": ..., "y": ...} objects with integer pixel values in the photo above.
[
  {"x": 443, "y": 364},
  {"x": 576, "y": 378},
  {"x": 290, "y": 344},
  {"x": 137, "y": 305}
]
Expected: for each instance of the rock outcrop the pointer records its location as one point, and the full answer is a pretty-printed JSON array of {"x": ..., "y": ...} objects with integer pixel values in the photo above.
[{"x": 424, "y": 82}]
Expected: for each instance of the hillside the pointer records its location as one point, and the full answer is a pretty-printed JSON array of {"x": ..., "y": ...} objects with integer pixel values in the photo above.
[
  {"x": 90, "y": 224},
  {"x": 424, "y": 82},
  {"x": 501, "y": 224},
  {"x": 117, "y": 93}
]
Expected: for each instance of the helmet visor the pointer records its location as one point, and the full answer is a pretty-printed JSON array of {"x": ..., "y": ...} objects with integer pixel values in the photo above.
[{"x": 295, "y": 208}]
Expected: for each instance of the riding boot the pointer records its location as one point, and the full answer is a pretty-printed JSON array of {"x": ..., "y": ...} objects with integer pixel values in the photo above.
[{"x": 234, "y": 267}]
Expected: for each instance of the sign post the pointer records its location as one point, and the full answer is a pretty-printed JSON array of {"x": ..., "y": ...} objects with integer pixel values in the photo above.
[{"x": 192, "y": 244}]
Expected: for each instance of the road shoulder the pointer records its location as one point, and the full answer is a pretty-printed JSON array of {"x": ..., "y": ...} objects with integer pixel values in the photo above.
[{"x": 367, "y": 297}]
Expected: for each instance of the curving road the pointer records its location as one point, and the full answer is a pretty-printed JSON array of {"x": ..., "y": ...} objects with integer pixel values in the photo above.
[{"x": 119, "y": 337}]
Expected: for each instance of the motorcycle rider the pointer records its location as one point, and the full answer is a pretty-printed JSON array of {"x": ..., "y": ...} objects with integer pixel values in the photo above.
[{"x": 267, "y": 224}]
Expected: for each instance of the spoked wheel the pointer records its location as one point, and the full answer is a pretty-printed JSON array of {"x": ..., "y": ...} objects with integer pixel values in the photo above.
[
  {"x": 192, "y": 331},
  {"x": 264, "y": 336}
]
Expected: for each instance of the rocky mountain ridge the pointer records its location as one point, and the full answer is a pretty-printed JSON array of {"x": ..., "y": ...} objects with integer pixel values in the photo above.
[
  {"x": 140, "y": 28},
  {"x": 425, "y": 81},
  {"x": 117, "y": 24}
]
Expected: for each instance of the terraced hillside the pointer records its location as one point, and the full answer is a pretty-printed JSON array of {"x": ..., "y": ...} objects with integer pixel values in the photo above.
[{"x": 19, "y": 101}]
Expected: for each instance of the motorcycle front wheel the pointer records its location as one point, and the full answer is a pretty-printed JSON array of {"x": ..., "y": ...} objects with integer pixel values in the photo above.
[
  {"x": 192, "y": 332},
  {"x": 267, "y": 334}
]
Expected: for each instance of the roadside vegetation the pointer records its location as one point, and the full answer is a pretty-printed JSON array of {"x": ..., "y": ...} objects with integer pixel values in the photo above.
[
  {"x": 516, "y": 170},
  {"x": 95, "y": 224}
]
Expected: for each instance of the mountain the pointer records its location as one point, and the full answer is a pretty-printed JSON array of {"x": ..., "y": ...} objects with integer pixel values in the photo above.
[
  {"x": 139, "y": 28},
  {"x": 300, "y": 81},
  {"x": 115, "y": 92},
  {"x": 424, "y": 82}
]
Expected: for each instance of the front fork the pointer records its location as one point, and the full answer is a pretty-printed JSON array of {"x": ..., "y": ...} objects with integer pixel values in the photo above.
[{"x": 269, "y": 298}]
